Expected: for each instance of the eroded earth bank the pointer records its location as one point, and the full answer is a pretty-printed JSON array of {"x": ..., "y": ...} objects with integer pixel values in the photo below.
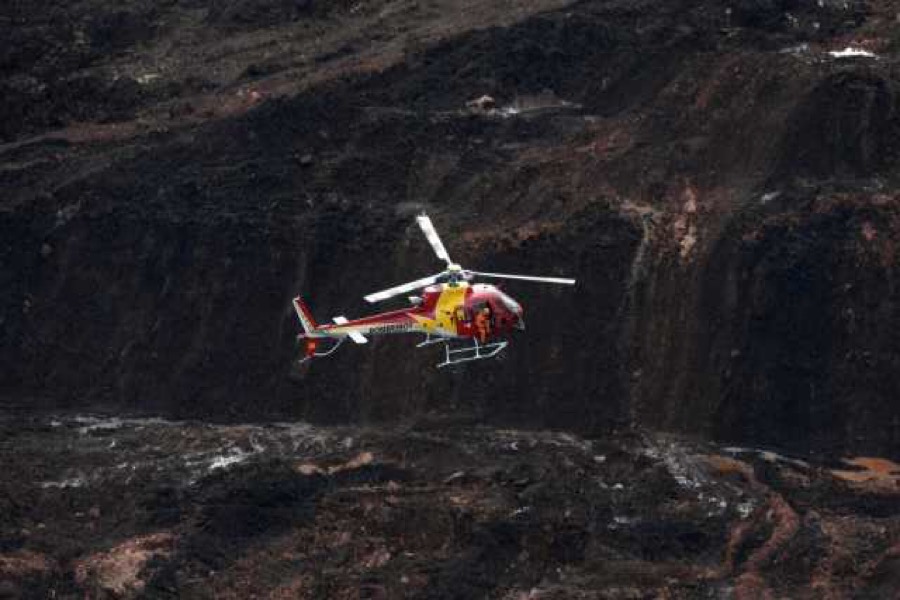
[{"x": 721, "y": 178}]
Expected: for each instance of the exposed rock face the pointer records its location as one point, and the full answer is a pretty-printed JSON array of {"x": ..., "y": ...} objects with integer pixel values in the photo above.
[
  {"x": 847, "y": 127},
  {"x": 721, "y": 186}
]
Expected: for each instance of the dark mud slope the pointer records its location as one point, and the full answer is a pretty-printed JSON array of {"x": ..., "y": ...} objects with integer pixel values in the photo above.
[
  {"x": 179, "y": 298},
  {"x": 721, "y": 184}
]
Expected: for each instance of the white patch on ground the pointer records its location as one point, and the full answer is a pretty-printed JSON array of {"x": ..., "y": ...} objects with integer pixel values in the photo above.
[
  {"x": 717, "y": 505},
  {"x": 234, "y": 456},
  {"x": 91, "y": 423},
  {"x": 73, "y": 482},
  {"x": 767, "y": 455},
  {"x": 145, "y": 447},
  {"x": 768, "y": 197},
  {"x": 795, "y": 50},
  {"x": 620, "y": 521},
  {"x": 147, "y": 78},
  {"x": 849, "y": 52},
  {"x": 685, "y": 482},
  {"x": 505, "y": 438},
  {"x": 745, "y": 508},
  {"x": 680, "y": 467},
  {"x": 736, "y": 450},
  {"x": 534, "y": 103}
]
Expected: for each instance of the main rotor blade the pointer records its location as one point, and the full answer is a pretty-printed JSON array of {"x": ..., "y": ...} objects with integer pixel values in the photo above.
[
  {"x": 402, "y": 289},
  {"x": 433, "y": 238},
  {"x": 560, "y": 280}
]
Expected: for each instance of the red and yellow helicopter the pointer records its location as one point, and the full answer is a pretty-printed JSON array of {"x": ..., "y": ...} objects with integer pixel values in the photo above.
[{"x": 452, "y": 307}]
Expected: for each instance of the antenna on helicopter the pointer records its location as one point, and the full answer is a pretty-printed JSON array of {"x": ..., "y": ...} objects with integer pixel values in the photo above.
[{"x": 454, "y": 272}]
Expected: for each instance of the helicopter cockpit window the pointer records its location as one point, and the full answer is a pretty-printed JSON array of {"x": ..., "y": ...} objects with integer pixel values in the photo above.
[{"x": 510, "y": 304}]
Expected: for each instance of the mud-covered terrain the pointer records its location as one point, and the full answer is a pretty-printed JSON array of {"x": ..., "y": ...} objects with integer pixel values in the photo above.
[
  {"x": 109, "y": 507},
  {"x": 720, "y": 177}
]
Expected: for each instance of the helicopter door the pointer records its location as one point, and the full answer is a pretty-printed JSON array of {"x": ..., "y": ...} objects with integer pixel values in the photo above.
[
  {"x": 461, "y": 315},
  {"x": 462, "y": 318}
]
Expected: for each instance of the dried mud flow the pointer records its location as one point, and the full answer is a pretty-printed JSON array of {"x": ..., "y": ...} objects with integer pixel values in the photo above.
[
  {"x": 436, "y": 509},
  {"x": 721, "y": 177}
]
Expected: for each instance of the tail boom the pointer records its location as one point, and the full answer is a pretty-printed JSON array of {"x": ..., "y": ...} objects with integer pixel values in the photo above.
[{"x": 398, "y": 321}]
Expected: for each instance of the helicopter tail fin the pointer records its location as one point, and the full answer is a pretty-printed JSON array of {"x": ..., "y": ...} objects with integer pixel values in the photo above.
[{"x": 306, "y": 319}]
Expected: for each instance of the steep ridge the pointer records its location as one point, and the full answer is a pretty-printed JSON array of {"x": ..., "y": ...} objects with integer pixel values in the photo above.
[{"x": 722, "y": 187}]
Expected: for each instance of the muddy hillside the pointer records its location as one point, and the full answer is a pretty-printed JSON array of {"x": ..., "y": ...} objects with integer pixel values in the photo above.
[{"x": 721, "y": 178}]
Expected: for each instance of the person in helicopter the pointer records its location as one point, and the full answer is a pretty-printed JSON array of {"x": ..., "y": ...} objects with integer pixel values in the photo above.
[{"x": 483, "y": 323}]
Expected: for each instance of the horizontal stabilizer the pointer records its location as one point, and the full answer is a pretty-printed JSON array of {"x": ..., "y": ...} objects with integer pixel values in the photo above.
[
  {"x": 353, "y": 335},
  {"x": 357, "y": 337}
]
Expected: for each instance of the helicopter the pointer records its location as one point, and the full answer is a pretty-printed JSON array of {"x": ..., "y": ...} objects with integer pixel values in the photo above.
[{"x": 452, "y": 307}]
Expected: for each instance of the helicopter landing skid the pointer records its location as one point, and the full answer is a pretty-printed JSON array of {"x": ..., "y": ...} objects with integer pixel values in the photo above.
[
  {"x": 471, "y": 353},
  {"x": 431, "y": 341}
]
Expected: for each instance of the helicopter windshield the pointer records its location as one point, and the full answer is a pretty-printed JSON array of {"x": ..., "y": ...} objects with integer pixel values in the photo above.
[{"x": 510, "y": 304}]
